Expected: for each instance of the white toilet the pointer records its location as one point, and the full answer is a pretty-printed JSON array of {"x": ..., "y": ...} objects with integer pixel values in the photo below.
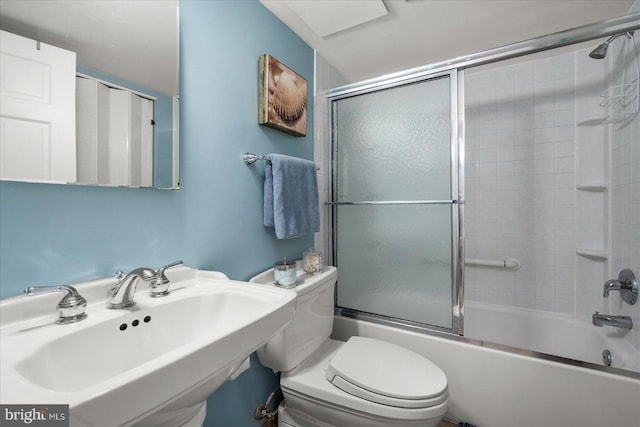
[{"x": 363, "y": 382}]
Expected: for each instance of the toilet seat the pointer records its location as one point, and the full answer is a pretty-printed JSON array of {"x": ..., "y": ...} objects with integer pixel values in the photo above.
[
  {"x": 386, "y": 373},
  {"x": 308, "y": 382}
]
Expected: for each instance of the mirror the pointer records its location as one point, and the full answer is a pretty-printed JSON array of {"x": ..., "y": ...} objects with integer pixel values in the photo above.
[{"x": 133, "y": 44}]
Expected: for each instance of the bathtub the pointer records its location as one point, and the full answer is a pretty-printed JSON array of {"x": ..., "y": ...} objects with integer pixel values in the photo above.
[
  {"x": 550, "y": 333},
  {"x": 489, "y": 387}
]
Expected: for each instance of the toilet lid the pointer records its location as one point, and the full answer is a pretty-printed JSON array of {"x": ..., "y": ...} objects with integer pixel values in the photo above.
[{"x": 385, "y": 373}]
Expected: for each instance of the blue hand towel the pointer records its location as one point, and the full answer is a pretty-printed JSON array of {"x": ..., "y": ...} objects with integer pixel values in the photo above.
[{"x": 291, "y": 196}]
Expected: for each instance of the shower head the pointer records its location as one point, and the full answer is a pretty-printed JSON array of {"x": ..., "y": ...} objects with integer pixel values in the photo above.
[{"x": 601, "y": 51}]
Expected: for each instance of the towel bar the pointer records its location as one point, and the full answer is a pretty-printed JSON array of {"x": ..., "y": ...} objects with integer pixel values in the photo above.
[{"x": 250, "y": 158}]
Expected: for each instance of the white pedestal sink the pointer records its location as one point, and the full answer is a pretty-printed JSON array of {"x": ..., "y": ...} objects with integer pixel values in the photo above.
[{"x": 154, "y": 364}]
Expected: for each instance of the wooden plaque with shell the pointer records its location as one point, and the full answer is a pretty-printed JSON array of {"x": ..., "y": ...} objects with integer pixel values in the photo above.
[{"x": 282, "y": 100}]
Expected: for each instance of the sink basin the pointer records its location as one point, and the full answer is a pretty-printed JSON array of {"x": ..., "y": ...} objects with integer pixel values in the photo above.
[{"x": 145, "y": 365}]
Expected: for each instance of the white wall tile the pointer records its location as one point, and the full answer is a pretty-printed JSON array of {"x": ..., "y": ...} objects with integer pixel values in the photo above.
[
  {"x": 546, "y": 150},
  {"x": 543, "y": 70},
  {"x": 543, "y": 135},
  {"x": 545, "y": 182},
  {"x": 564, "y": 133},
  {"x": 505, "y": 168},
  {"x": 564, "y": 117},
  {"x": 544, "y": 120},
  {"x": 565, "y": 149},
  {"x": 506, "y": 139},
  {"x": 524, "y": 152},
  {"x": 545, "y": 165},
  {"x": 535, "y": 167},
  {"x": 505, "y": 153},
  {"x": 564, "y": 165},
  {"x": 563, "y": 66}
]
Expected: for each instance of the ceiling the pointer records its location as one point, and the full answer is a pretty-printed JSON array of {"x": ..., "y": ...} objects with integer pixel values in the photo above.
[
  {"x": 413, "y": 33},
  {"x": 360, "y": 38}
]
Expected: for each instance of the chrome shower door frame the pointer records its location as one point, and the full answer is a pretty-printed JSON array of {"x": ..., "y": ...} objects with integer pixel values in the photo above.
[
  {"x": 585, "y": 33},
  {"x": 456, "y": 123}
]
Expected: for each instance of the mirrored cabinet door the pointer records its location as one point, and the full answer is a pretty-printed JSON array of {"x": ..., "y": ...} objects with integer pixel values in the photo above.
[{"x": 121, "y": 130}]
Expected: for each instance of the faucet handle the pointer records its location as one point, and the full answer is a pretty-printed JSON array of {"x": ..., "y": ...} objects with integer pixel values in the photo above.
[
  {"x": 161, "y": 270},
  {"x": 160, "y": 285},
  {"x": 71, "y": 307},
  {"x": 627, "y": 284}
]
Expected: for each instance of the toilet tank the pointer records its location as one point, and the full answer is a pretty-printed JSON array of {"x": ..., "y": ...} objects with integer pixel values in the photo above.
[{"x": 311, "y": 324}]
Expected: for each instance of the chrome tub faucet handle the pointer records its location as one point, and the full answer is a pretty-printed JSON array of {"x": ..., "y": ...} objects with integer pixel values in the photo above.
[
  {"x": 71, "y": 307},
  {"x": 626, "y": 284}
]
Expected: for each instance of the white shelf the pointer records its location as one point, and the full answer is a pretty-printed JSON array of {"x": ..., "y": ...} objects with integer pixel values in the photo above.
[
  {"x": 594, "y": 254},
  {"x": 596, "y": 186},
  {"x": 595, "y": 121}
]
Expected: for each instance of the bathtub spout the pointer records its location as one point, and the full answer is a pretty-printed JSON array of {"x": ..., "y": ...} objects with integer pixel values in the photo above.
[{"x": 623, "y": 322}]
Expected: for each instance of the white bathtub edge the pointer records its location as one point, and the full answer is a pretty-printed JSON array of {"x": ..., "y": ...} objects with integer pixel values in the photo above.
[{"x": 489, "y": 387}]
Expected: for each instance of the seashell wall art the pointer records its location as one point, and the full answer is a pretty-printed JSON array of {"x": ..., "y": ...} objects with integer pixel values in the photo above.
[{"x": 282, "y": 100}]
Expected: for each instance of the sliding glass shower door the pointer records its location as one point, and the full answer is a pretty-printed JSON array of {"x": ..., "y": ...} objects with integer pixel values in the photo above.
[{"x": 395, "y": 203}]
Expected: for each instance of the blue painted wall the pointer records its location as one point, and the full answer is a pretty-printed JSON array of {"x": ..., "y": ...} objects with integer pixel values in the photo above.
[
  {"x": 221, "y": 42},
  {"x": 56, "y": 234}
]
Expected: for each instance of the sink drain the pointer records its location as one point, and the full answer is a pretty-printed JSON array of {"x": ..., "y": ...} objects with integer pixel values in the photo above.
[{"x": 607, "y": 357}]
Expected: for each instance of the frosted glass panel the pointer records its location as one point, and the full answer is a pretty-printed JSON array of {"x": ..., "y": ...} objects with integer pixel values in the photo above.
[
  {"x": 396, "y": 261},
  {"x": 394, "y": 258},
  {"x": 394, "y": 144}
]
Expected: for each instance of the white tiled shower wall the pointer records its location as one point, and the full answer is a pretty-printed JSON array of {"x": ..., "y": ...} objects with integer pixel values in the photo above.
[
  {"x": 520, "y": 182},
  {"x": 626, "y": 189},
  {"x": 545, "y": 175}
]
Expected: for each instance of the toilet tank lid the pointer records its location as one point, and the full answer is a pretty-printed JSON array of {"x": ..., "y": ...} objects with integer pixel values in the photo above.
[
  {"x": 372, "y": 368},
  {"x": 305, "y": 283}
]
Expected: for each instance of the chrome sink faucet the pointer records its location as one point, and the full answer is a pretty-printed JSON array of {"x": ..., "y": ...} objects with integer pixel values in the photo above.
[{"x": 121, "y": 295}]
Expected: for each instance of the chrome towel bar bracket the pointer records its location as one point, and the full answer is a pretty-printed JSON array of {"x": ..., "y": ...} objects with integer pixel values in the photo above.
[{"x": 250, "y": 158}]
